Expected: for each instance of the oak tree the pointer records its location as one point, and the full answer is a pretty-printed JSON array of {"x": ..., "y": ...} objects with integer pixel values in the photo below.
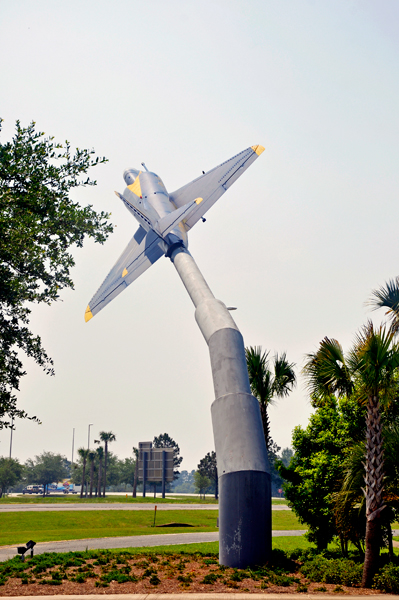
[{"x": 39, "y": 224}]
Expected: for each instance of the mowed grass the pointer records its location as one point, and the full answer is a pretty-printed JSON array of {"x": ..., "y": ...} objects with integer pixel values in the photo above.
[
  {"x": 285, "y": 519},
  {"x": 47, "y": 526},
  {"x": 282, "y": 543},
  {"x": 65, "y": 499},
  {"x": 19, "y": 527}
]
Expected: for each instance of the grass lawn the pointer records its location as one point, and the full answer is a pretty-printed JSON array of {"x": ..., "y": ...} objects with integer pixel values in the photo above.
[
  {"x": 285, "y": 519},
  {"x": 64, "y": 499},
  {"x": 18, "y": 527},
  {"x": 69, "y": 525},
  {"x": 282, "y": 543}
]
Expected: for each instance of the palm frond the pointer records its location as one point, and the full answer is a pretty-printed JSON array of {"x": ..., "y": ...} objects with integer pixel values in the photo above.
[
  {"x": 284, "y": 376},
  {"x": 374, "y": 359},
  {"x": 259, "y": 373},
  {"x": 387, "y": 297},
  {"x": 326, "y": 371}
]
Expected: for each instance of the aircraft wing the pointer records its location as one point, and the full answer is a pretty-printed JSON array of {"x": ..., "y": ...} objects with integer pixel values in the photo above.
[
  {"x": 213, "y": 184},
  {"x": 141, "y": 252}
]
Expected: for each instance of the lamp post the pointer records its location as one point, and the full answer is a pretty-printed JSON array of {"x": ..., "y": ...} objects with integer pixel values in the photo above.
[
  {"x": 88, "y": 436},
  {"x": 73, "y": 444},
  {"x": 12, "y": 425},
  {"x": 88, "y": 448}
]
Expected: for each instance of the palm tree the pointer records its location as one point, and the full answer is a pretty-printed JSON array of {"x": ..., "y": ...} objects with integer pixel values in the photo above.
[
  {"x": 388, "y": 297},
  {"x": 267, "y": 384},
  {"x": 91, "y": 455},
  {"x": 107, "y": 438},
  {"x": 83, "y": 453},
  {"x": 350, "y": 505},
  {"x": 369, "y": 372},
  {"x": 100, "y": 456}
]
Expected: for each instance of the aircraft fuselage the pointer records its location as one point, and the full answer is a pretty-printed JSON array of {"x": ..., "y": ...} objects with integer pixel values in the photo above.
[{"x": 148, "y": 201}]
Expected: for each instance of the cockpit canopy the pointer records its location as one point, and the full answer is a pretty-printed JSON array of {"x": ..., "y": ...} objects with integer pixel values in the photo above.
[{"x": 130, "y": 175}]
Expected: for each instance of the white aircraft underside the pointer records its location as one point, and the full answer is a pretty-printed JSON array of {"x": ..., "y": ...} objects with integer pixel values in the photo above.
[{"x": 164, "y": 219}]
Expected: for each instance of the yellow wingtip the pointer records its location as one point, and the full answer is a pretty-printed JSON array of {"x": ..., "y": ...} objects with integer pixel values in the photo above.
[
  {"x": 198, "y": 200},
  {"x": 258, "y": 149},
  {"x": 124, "y": 272},
  {"x": 88, "y": 314}
]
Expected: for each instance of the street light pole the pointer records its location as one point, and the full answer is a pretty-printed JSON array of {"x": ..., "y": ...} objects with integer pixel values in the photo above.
[
  {"x": 12, "y": 425},
  {"x": 73, "y": 443},
  {"x": 88, "y": 436}
]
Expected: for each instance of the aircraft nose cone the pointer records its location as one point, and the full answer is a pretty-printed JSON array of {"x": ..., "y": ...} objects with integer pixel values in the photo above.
[{"x": 130, "y": 175}]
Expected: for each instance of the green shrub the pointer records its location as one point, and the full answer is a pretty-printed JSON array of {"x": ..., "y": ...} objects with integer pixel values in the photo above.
[
  {"x": 387, "y": 579},
  {"x": 185, "y": 578},
  {"x": 80, "y": 578},
  {"x": 210, "y": 561},
  {"x": 154, "y": 580},
  {"x": 149, "y": 571},
  {"x": 117, "y": 575},
  {"x": 282, "y": 580},
  {"x": 210, "y": 578},
  {"x": 339, "y": 571},
  {"x": 101, "y": 560}
]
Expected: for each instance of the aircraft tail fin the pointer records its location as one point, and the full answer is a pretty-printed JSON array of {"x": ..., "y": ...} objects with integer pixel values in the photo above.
[{"x": 167, "y": 223}]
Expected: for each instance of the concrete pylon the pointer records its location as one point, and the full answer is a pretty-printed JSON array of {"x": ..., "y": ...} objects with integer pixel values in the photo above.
[{"x": 243, "y": 466}]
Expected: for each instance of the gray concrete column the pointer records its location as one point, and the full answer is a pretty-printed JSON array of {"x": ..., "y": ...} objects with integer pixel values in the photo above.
[{"x": 243, "y": 468}]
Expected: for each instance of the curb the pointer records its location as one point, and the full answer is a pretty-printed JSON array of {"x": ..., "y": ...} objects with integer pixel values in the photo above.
[{"x": 205, "y": 596}]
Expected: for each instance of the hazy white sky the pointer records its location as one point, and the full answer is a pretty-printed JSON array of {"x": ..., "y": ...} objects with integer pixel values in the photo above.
[{"x": 297, "y": 244}]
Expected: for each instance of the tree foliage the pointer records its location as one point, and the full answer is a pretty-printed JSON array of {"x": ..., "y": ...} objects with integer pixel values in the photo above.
[
  {"x": 164, "y": 440},
  {"x": 39, "y": 223},
  {"x": 268, "y": 381},
  {"x": 46, "y": 468},
  {"x": 368, "y": 373},
  {"x": 107, "y": 437},
  {"x": 184, "y": 484},
  {"x": 201, "y": 483},
  {"x": 10, "y": 473},
  {"x": 315, "y": 470},
  {"x": 208, "y": 466}
]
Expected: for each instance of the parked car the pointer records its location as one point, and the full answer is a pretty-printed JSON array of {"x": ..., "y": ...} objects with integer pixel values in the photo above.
[{"x": 33, "y": 489}]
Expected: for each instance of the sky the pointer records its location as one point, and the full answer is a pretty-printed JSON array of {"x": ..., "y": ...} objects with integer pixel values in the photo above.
[{"x": 297, "y": 244}]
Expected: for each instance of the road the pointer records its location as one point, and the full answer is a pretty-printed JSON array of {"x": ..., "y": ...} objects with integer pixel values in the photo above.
[
  {"x": 136, "y": 541},
  {"x": 112, "y": 506}
]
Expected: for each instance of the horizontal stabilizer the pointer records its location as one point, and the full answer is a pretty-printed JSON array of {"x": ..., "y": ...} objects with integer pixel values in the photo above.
[{"x": 167, "y": 223}]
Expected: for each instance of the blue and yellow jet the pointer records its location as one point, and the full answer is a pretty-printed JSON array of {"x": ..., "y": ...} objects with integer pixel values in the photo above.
[{"x": 164, "y": 219}]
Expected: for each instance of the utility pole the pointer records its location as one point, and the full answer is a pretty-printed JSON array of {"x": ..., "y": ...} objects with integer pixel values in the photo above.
[
  {"x": 73, "y": 443},
  {"x": 88, "y": 436},
  {"x": 12, "y": 425}
]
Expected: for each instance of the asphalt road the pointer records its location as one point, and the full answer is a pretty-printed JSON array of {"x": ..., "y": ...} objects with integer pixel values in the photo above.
[
  {"x": 112, "y": 506},
  {"x": 135, "y": 541}
]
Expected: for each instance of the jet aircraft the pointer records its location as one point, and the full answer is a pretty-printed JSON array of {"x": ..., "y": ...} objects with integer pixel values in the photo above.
[{"x": 164, "y": 219}]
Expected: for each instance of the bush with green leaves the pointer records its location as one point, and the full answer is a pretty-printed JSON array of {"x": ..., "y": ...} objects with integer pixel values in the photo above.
[
  {"x": 387, "y": 579},
  {"x": 336, "y": 570}
]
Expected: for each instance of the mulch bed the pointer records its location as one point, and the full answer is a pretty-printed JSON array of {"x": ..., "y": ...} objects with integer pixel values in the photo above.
[{"x": 124, "y": 573}]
